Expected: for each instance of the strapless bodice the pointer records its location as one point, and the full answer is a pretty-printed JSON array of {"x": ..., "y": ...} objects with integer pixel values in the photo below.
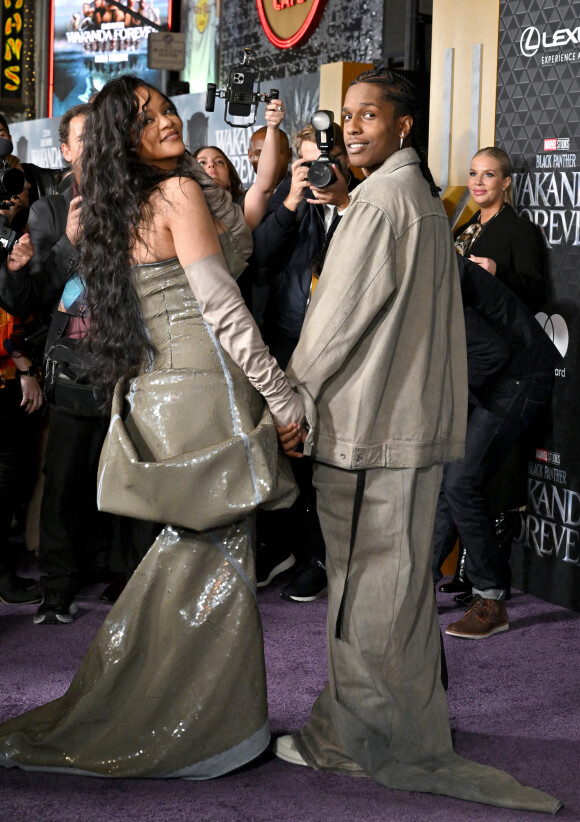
[{"x": 172, "y": 316}]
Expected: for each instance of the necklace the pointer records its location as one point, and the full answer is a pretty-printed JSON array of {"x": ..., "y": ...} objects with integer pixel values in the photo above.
[{"x": 466, "y": 239}]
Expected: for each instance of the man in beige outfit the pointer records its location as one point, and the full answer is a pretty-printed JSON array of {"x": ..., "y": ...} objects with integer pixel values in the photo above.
[{"x": 381, "y": 366}]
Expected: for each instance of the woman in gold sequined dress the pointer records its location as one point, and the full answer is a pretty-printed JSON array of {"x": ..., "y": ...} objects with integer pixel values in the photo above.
[{"x": 173, "y": 684}]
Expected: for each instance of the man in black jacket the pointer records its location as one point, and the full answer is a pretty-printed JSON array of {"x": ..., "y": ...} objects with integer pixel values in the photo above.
[
  {"x": 291, "y": 241},
  {"x": 20, "y": 394},
  {"x": 68, "y": 508},
  {"x": 293, "y": 237}
]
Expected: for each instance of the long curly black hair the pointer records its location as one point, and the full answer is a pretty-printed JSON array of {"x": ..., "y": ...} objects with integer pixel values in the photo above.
[
  {"x": 116, "y": 187},
  {"x": 403, "y": 94}
]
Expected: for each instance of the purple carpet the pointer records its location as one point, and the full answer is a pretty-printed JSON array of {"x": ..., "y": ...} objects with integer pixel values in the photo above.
[{"x": 513, "y": 703}]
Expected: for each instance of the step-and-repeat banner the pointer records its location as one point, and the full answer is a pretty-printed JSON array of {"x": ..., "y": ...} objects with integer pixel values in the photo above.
[{"x": 538, "y": 113}]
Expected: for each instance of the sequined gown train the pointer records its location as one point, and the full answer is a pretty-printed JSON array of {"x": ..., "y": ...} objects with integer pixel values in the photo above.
[{"x": 174, "y": 682}]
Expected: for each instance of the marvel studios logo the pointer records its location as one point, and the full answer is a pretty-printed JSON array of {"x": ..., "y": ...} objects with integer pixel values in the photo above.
[
  {"x": 557, "y": 144},
  {"x": 547, "y": 456}
]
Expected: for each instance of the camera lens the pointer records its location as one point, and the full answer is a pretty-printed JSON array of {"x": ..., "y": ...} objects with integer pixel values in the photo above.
[
  {"x": 12, "y": 182},
  {"x": 321, "y": 175}
]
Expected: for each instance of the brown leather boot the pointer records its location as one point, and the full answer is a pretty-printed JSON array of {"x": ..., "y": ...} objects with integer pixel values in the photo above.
[{"x": 486, "y": 617}]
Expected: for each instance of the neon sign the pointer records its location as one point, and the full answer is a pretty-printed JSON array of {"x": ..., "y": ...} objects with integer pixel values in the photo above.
[
  {"x": 12, "y": 45},
  {"x": 286, "y": 23}
]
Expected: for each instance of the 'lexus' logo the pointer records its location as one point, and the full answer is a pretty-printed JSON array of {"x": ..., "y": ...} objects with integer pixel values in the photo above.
[{"x": 530, "y": 41}]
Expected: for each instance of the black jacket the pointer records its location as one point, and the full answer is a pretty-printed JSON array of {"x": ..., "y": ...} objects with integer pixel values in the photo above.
[
  {"x": 286, "y": 242},
  {"x": 14, "y": 285},
  {"x": 517, "y": 247},
  {"x": 39, "y": 286},
  {"x": 41, "y": 283},
  {"x": 55, "y": 260},
  {"x": 504, "y": 339}
]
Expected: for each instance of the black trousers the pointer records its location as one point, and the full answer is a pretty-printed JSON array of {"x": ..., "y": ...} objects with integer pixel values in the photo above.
[
  {"x": 295, "y": 529},
  {"x": 462, "y": 509},
  {"x": 19, "y": 435},
  {"x": 78, "y": 543}
]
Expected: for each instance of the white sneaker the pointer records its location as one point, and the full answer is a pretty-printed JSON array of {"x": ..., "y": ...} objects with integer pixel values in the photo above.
[{"x": 285, "y": 748}]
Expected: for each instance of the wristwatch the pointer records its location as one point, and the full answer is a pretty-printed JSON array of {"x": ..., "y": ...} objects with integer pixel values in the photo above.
[{"x": 28, "y": 372}]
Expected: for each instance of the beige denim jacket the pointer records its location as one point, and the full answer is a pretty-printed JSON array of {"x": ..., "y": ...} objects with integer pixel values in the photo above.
[{"x": 381, "y": 362}]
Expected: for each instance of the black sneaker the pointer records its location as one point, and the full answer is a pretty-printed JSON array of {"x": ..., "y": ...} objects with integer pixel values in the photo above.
[
  {"x": 16, "y": 590},
  {"x": 57, "y": 607},
  {"x": 310, "y": 583},
  {"x": 269, "y": 565}
]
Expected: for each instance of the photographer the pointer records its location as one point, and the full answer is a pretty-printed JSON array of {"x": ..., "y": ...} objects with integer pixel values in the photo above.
[
  {"x": 291, "y": 241},
  {"x": 293, "y": 237},
  {"x": 14, "y": 206},
  {"x": 20, "y": 392}
]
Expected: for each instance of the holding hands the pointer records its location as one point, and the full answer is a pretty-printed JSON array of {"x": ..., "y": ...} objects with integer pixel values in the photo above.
[{"x": 291, "y": 437}]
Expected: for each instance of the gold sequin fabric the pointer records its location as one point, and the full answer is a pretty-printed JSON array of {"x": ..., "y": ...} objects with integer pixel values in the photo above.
[{"x": 174, "y": 682}]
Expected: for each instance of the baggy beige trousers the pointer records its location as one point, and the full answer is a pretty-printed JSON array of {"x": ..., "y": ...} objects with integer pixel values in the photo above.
[{"x": 383, "y": 712}]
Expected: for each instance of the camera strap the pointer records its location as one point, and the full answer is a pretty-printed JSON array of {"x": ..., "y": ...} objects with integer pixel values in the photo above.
[{"x": 301, "y": 210}]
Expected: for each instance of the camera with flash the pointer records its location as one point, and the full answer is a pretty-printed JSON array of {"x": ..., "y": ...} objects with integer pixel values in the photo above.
[{"x": 320, "y": 172}]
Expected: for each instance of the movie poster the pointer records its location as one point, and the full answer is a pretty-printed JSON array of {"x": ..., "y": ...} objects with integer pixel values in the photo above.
[
  {"x": 200, "y": 24},
  {"x": 96, "y": 41},
  {"x": 538, "y": 116}
]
